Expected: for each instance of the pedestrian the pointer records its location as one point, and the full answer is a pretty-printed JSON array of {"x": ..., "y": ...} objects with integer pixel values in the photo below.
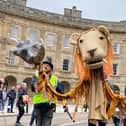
[
  {"x": 1, "y": 97},
  {"x": 42, "y": 108},
  {"x": 2, "y": 81},
  {"x": 22, "y": 100},
  {"x": 116, "y": 116},
  {"x": 11, "y": 98},
  {"x": 86, "y": 107},
  {"x": 33, "y": 81},
  {"x": 124, "y": 119},
  {"x": 6, "y": 83},
  {"x": 4, "y": 97},
  {"x": 32, "y": 118}
]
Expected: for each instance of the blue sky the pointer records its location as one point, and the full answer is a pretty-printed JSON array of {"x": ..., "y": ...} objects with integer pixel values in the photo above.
[{"x": 109, "y": 10}]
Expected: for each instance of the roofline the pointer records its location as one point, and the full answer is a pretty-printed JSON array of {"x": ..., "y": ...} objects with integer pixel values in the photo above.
[{"x": 58, "y": 19}]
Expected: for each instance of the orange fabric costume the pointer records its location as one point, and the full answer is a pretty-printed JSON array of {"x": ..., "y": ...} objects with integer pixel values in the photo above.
[{"x": 91, "y": 87}]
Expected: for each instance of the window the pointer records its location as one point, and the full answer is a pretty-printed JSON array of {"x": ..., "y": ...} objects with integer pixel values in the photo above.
[
  {"x": 115, "y": 69},
  {"x": 116, "y": 48},
  {"x": 33, "y": 35},
  {"x": 51, "y": 39},
  {"x": 49, "y": 59},
  {"x": 66, "y": 41},
  {"x": 0, "y": 29},
  {"x": 11, "y": 58},
  {"x": 14, "y": 31},
  {"x": 65, "y": 64},
  {"x": 125, "y": 91}
]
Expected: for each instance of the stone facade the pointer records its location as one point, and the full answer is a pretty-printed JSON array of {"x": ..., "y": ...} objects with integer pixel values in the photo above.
[
  {"x": 18, "y": 2},
  {"x": 48, "y": 26}
]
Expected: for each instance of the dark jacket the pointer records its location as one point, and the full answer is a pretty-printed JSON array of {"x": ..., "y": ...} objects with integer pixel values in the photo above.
[
  {"x": 1, "y": 94},
  {"x": 21, "y": 92},
  {"x": 11, "y": 94}
]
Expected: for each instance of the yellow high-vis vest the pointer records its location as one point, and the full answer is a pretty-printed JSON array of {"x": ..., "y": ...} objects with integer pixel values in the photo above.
[{"x": 39, "y": 98}]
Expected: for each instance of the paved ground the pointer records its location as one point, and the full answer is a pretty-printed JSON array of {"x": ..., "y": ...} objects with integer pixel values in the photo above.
[{"x": 60, "y": 118}]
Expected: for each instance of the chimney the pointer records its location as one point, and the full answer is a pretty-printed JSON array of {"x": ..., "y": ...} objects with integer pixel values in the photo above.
[
  {"x": 18, "y": 2},
  {"x": 72, "y": 12}
]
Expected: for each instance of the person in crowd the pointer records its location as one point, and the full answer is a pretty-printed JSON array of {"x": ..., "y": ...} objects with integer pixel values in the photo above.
[
  {"x": 116, "y": 116},
  {"x": 32, "y": 118},
  {"x": 11, "y": 98},
  {"x": 6, "y": 83},
  {"x": 33, "y": 81},
  {"x": 86, "y": 107},
  {"x": 2, "y": 82},
  {"x": 22, "y": 100},
  {"x": 123, "y": 121},
  {"x": 4, "y": 97},
  {"x": 1, "y": 97},
  {"x": 42, "y": 108}
]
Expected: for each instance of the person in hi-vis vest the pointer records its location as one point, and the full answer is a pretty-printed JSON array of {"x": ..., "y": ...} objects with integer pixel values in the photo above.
[{"x": 42, "y": 108}]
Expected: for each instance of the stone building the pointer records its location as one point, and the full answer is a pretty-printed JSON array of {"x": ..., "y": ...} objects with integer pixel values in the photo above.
[{"x": 22, "y": 22}]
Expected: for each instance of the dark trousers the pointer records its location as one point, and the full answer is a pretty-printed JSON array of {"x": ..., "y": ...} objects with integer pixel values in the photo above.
[
  {"x": 85, "y": 107},
  {"x": 20, "y": 113},
  {"x": 44, "y": 115},
  {"x": 124, "y": 122},
  {"x": 10, "y": 105},
  {"x": 26, "y": 108},
  {"x": 116, "y": 121},
  {"x": 32, "y": 118},
  {"x": 100, "y": 123}
]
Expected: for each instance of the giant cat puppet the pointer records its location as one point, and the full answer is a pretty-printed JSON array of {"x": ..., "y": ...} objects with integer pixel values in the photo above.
[{"x": 93, "y": 59}]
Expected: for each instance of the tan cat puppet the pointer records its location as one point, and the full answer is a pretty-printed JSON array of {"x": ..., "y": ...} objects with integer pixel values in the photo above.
[{"x": 93, "y": 59}]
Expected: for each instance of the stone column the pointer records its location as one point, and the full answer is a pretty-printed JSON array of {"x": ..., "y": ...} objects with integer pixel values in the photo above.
[{"x": 58, "y": 52}]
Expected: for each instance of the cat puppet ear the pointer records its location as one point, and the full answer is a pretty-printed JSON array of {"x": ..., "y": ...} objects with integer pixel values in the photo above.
[
  {"x": 74, "y": 38},
  {"x": 105, "y": 31}
]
